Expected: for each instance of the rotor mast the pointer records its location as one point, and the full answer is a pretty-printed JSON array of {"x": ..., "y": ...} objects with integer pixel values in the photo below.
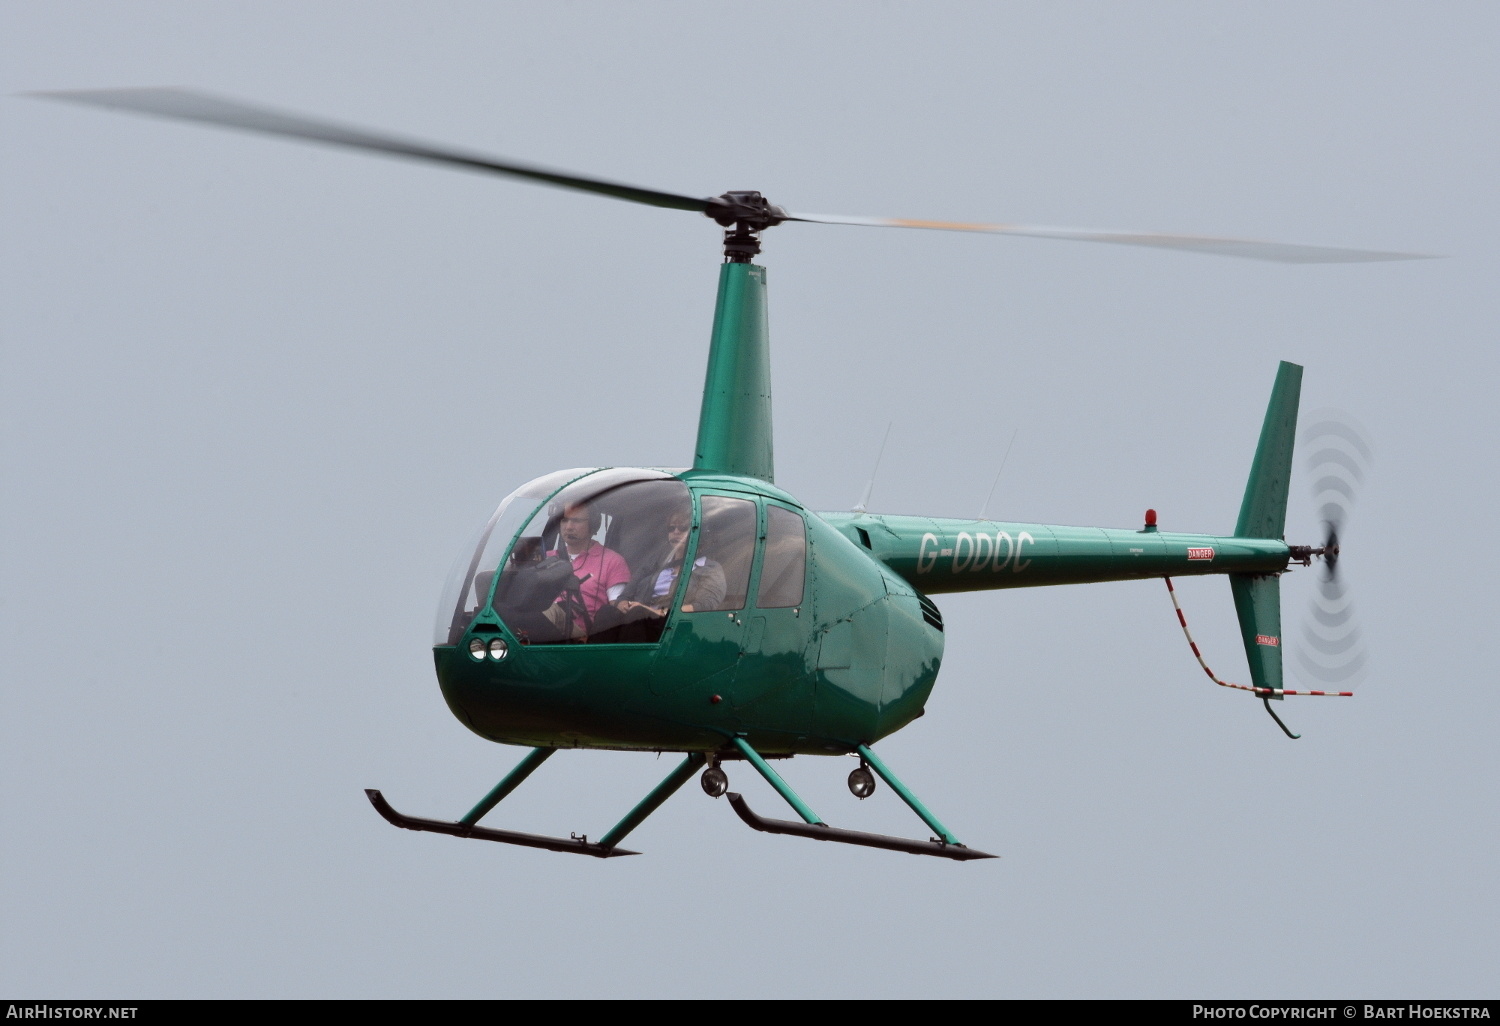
[{"x": 734, "y": 424}]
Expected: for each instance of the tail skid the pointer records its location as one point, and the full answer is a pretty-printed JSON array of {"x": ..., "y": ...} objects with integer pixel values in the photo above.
[{"x": 1266, "y": 694}]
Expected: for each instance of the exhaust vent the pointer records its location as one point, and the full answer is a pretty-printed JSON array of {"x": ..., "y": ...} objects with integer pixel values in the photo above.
[{"x": 930, "y": 612}]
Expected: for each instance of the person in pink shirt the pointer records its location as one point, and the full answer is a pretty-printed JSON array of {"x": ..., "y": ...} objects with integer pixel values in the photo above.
[{"x": 602, "y": 571}]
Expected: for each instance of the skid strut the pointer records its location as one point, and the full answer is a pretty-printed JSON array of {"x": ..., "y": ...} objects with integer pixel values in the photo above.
[
  {"x": 604, "y": 848},
  {"x": 944, "y": 846}
]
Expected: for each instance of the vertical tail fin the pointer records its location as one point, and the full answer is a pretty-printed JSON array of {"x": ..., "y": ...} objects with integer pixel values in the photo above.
[
  {"x": 1263, "y": 513},
  {"x": 1257, "y": 600}
]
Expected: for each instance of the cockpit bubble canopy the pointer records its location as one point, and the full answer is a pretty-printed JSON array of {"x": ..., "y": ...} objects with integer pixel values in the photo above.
[{"x": 560, "y": 552}]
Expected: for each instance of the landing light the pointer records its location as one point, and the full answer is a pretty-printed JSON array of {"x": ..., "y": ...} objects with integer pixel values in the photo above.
[
  {"x": 476, "y": 649},
  {"x": 499, "y": 649}
]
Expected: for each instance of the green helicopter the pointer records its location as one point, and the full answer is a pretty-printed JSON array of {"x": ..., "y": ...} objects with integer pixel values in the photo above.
[{"x": 704, "y": 611}]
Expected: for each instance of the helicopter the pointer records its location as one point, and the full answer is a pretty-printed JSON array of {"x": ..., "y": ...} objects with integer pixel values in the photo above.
[{"x": 703, "y": 611}]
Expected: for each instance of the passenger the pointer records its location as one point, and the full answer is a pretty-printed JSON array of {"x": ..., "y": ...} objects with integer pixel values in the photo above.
[
  {"x": 603, "y": 572},
  {"x": 639, "y": 614},
  {"x": 650, "y": 593}
]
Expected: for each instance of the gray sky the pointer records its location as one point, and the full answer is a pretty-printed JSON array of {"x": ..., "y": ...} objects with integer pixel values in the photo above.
[{"x": 257, "y": 394}]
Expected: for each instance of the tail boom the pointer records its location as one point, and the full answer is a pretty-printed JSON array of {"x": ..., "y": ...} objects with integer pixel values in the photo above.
[{"x": 938, "y": 556}]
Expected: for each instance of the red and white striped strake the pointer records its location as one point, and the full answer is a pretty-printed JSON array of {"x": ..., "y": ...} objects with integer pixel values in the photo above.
[{"x": 1226, "y": 684}]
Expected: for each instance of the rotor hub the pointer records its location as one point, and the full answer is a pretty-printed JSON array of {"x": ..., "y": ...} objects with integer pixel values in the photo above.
[
  {"x": 746, "y": 215},
  {"x": 1328, "y": 552},
  {"x": 747, "y": 209}
]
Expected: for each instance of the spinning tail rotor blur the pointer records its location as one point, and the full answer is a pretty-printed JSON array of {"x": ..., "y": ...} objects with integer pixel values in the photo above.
[{"x": 1332, "y": 649}]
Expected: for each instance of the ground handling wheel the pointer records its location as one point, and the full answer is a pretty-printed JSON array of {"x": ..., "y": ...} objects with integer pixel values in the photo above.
[
  {"x": 861, "y": 783},
  {"x": 715, "y": 782}
]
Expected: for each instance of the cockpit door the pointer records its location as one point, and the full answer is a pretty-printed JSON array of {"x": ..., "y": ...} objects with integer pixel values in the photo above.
[
  {"x": 706, "y": 634},
  {"x": 774, "y": 659}
]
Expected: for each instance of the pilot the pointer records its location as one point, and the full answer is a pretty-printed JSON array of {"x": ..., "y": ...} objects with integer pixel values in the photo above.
[{"x": 603, "y": 572}]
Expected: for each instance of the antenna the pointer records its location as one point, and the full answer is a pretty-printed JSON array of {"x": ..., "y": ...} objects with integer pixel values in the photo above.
[
  {"x": 864, "y": 500},
  {"x": 985, "y": 508}
]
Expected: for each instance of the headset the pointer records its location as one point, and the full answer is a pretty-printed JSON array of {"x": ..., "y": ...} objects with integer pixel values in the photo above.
[{"x": 556, "y": 509}]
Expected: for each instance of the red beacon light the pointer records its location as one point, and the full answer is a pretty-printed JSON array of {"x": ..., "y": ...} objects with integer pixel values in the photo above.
[{"x": 1150, "y": 519}]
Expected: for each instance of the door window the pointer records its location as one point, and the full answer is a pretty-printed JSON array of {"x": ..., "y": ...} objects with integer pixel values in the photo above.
[
  {"x": 783, "y": 570},
  {"x": 720, "y": 576}
]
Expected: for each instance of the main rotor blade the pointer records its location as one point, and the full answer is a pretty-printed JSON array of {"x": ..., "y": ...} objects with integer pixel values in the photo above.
[
  {"x": 186, "y": 105},
  {"x": 1282, "y": 252}
]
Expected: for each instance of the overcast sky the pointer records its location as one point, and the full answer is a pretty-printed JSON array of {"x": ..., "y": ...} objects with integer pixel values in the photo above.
[{"x": 257, "y": 394}]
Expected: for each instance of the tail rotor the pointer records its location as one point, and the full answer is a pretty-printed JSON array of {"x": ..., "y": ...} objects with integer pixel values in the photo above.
[{"x": 1333, "y": 649}]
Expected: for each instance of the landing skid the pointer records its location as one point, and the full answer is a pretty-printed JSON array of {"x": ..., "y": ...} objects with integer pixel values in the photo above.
[
  {"x": 824, "y": 832},
  {"x": 944, "y": 845},
  {"x": 576, "y": 845},
  {"x": 605, "y": 848}
]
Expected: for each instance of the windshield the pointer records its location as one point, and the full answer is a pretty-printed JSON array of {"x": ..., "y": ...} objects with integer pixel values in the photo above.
[
  {"x": 601, "y": 561},
  {"x": 468, "y": 584}
]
